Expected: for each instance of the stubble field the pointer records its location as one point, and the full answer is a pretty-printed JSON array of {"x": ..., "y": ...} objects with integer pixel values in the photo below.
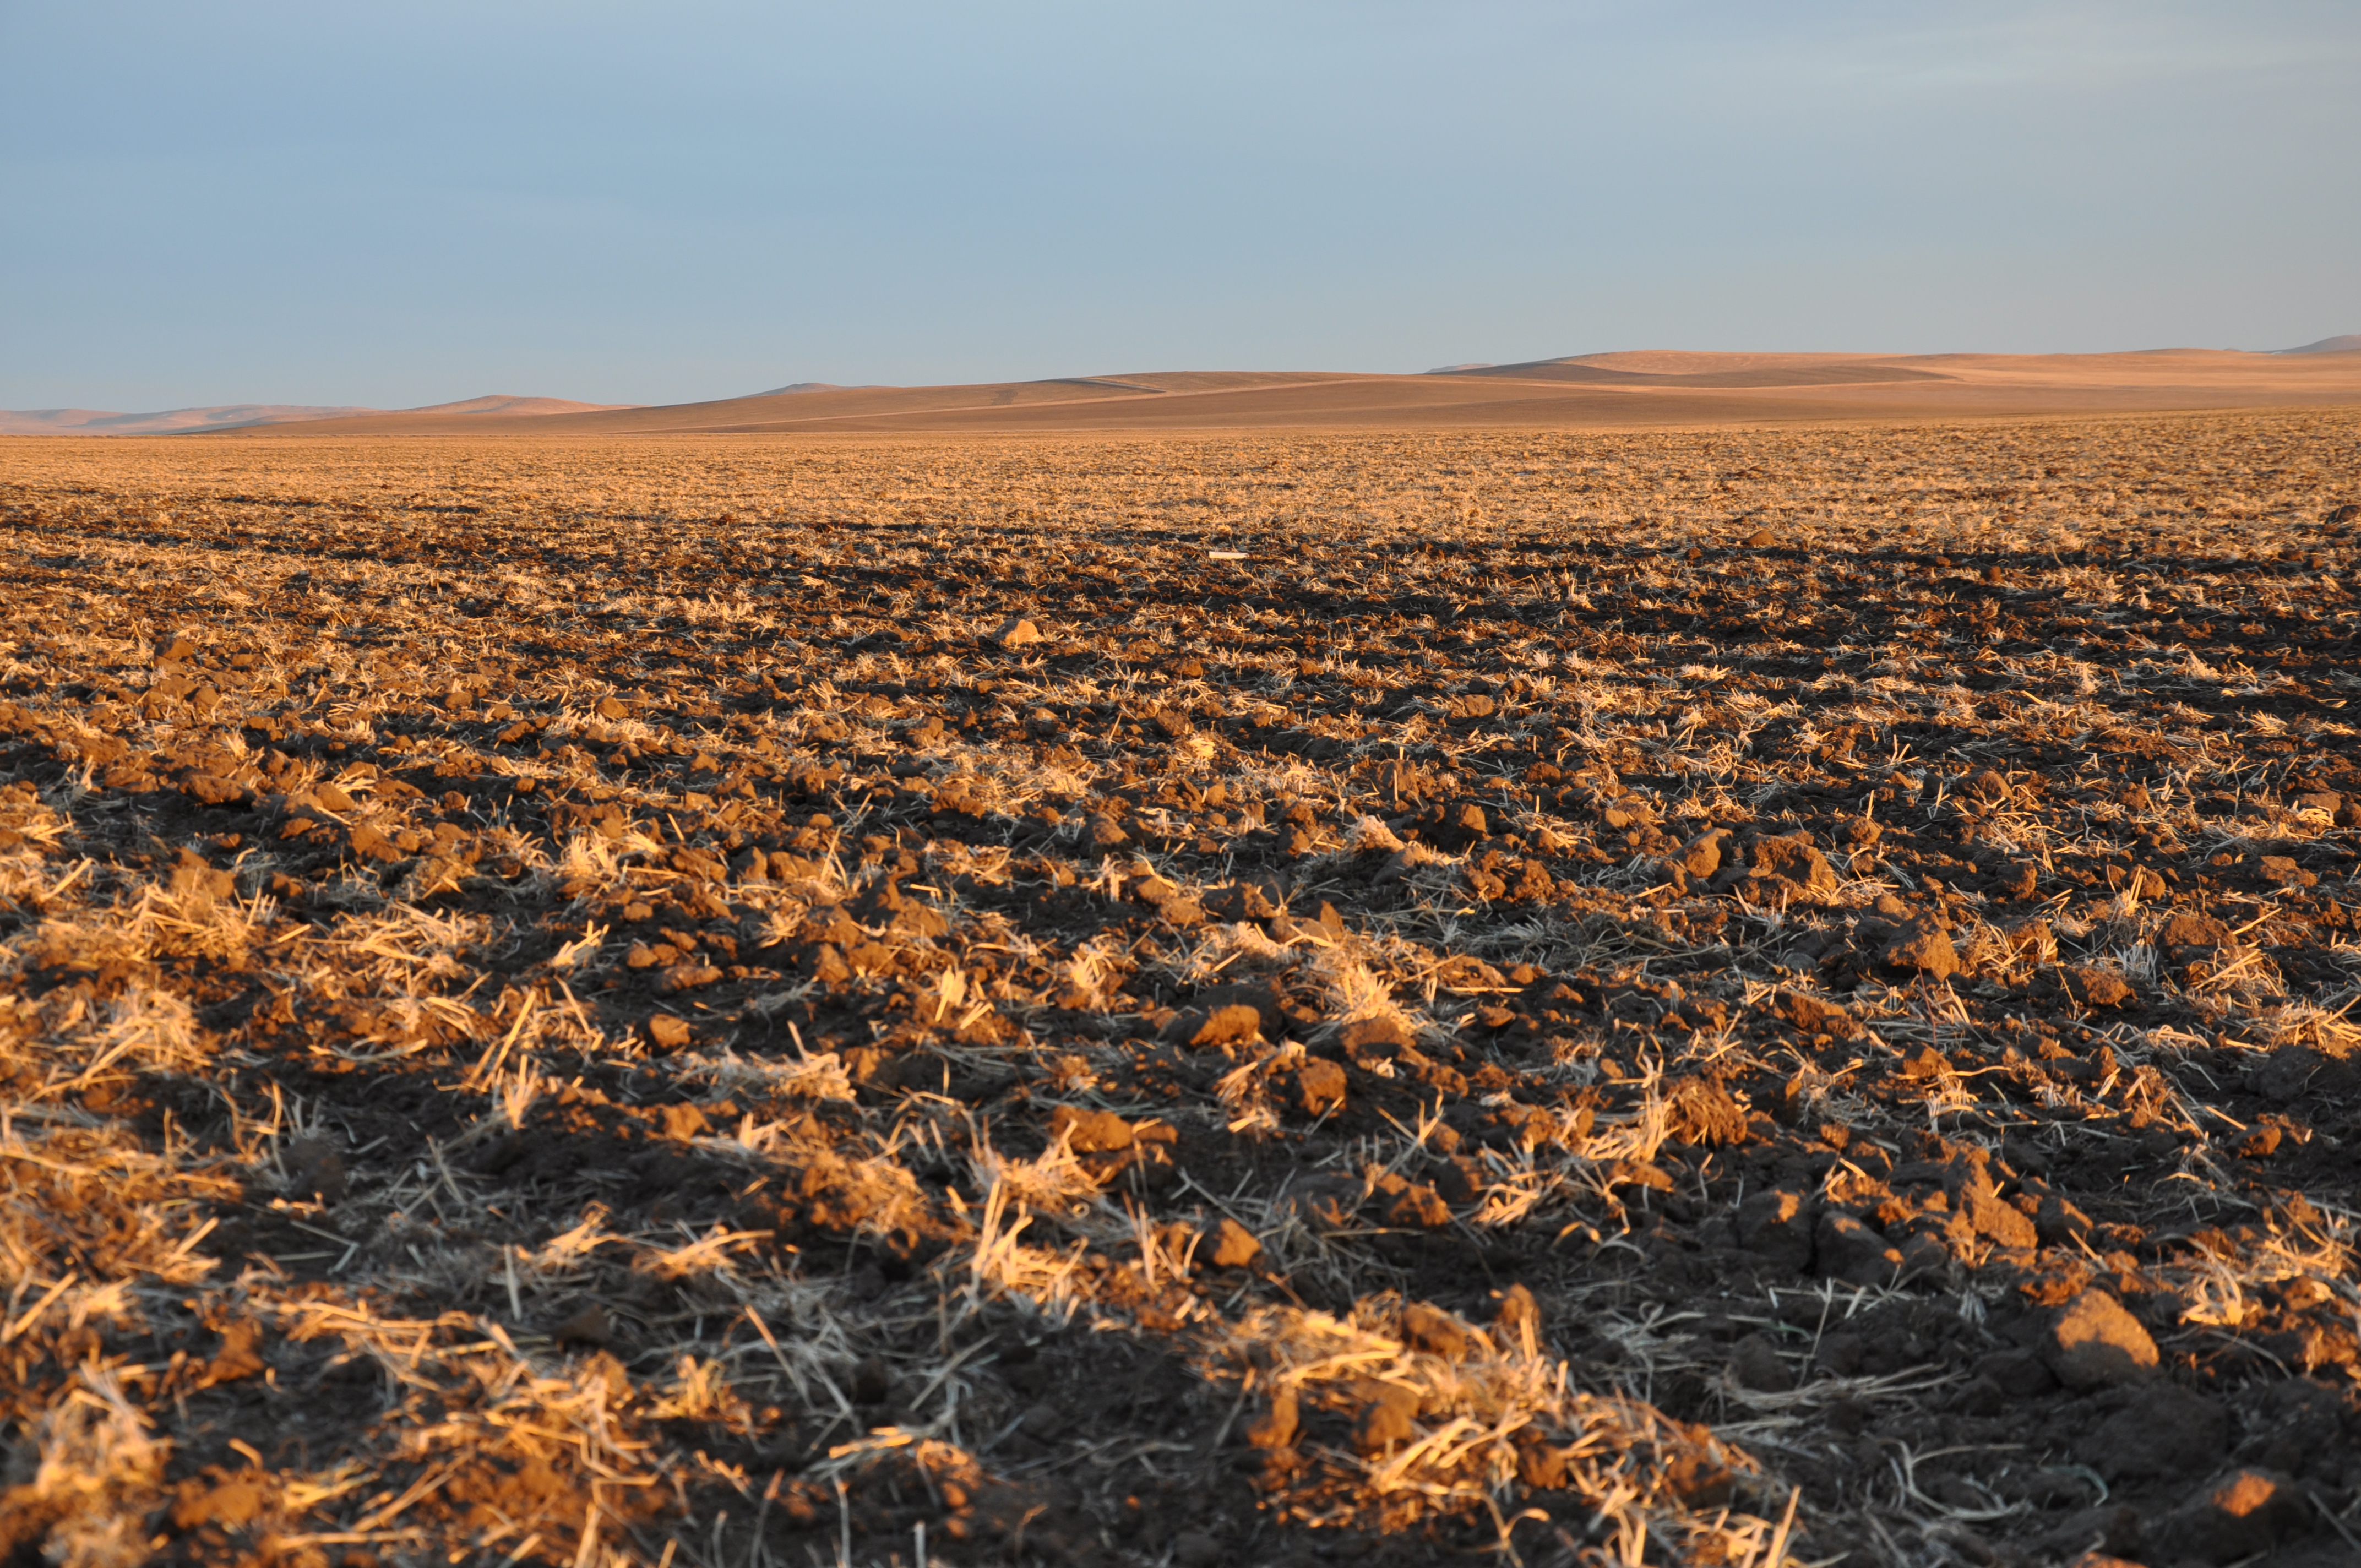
[{"x": 1720, "y": 997}]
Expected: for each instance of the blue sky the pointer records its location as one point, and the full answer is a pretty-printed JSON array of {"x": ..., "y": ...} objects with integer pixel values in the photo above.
[{"x": 401, "y": 205}]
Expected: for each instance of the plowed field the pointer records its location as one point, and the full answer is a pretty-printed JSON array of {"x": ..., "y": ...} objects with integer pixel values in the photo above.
[{"x": 1728, "y": 997}]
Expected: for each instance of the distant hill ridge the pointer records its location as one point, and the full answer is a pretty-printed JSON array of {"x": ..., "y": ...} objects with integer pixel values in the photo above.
[
  {"x": 1664, "y": 365},
  {"x": 1627, "y": 389},
  {"x": 245, "y": 416}
]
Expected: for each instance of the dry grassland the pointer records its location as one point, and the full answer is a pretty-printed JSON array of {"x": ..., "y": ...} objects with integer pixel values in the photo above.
[{"x": 1722, "y": 998}]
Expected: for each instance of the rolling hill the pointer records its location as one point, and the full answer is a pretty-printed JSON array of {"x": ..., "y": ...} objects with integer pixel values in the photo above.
[{"x": 247, "y": 416}]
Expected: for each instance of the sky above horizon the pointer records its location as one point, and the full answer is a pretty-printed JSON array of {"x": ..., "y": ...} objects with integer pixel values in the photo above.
[{"x": 398, "y": 205}]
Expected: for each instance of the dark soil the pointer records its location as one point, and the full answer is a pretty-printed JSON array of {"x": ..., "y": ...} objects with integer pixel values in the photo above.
[{"x": 1670, "y": 999}]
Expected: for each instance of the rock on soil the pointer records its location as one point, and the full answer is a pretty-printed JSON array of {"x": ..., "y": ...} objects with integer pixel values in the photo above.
[
  {"x": 1924, "y": 947},
  {"x": 2092, "y": 1343},
  {"x": 1778, "y": 1226},
  {"x": 2243, "y": 1513}
]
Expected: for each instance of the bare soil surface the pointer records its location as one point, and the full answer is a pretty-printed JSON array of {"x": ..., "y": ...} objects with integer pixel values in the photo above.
[{"x": 1706, "y": 997}]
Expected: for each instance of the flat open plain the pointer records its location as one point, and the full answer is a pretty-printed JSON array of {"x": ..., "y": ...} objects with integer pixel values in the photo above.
[{"x": 1705, "y": 995}]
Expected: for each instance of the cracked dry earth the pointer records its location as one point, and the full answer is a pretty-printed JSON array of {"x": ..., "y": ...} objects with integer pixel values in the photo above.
[{"x": 1732, "y": 997}]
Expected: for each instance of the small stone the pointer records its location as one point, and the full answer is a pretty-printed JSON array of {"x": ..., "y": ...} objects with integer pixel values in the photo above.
[
  {"x": 1756, "y": 1363},
  {"x": 1701, "y": 856},
  {"x": 1923, "y": 945},
  {"x": 1318, "y": 1086},
  {"x": 601, "y": 1370},
  {"x": 1233, "y": 1246},
  {"x": 1926, "y": 1064},
  {"x": 668, "y": 1033},
  {"x": 2095, "y": 987},
  {"x": 1275, "y": 1428},
  {"x": 2016, "y": 882},
  {"x": 2261, "y": 1141},
  {"x": 192, "y": 878},
  {"x": 1518, "y": 1316},
  {"x": 1645, "y": 1174},
  {"x": 2094, "y": 1343},
  {"x": 1461, "y": 1181},
  {"x": 2185, "y": 929},
  {"x": 233, "y": 1504},
  {"x": 1702, "y": 1111},
  {"x": 240, "y": 1355},
  {"x": 369, "y": 844},
  {"x": 1994, "y": 1217},
  {"x": 1016, "y": 632},
  {"x": 214, "y": 790},
  {"x": 314, "y": 1169},
  {"x": 1434, "y": 1330},
  {"x": 1542, "y": 1466},
  {"x": 1815, "y": 1016},
  {"x": 1459, "y": 825},
  {"x": 2246, "y": 1513},
  {"x": 1233, "y": 1023},
  {"x": 2091, "y": 1537},
  {"x": 1795, "y": 860},
  {"x": 872, "y": 1382},
  {"x": 1849, "y": 1250},
  {"x": 587, "y": 1326},
  {"x": 1182, "y": 913},
  {"x": 1090, "y": 1131},
  {"x": 1386, "y": 1419},
  {"x": 1924, "y": 1255},
  {"x": 683, "y": 1122},
  {"x": 2058, "y": 1223},
  {"x": 2282, "y": 868},
  {"x": 825, "y": 965},
  {"x": 1776, "y": 1225},
  {"x": 1419, "y": 1207},
  {"x": 687, "y": 977},
  {"x": 1246, "y": 900},
  {"x": 1147, "y": 887},
  {"x": 1380, "y": 1037}
]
